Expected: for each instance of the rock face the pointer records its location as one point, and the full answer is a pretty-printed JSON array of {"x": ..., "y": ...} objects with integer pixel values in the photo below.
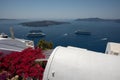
[{"x": 42, "y": 23}]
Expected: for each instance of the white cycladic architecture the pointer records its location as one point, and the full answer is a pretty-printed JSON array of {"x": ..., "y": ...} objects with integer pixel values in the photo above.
[
  {"x": 8, "y": 45},
  {"x": 75, "y": 48},
  {"x": 70, "y": 63},
  {"x": 113, "y": 48}
]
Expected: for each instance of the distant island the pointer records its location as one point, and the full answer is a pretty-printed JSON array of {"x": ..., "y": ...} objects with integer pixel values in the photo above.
[
  {"x": 97, "y": 19},
  {"x": 42, "y": 23},
  {"x": 3, "y": 19}
]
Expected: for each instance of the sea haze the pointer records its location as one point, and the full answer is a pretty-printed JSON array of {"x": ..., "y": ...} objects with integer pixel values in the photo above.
[{"x": 63, "y": 35}]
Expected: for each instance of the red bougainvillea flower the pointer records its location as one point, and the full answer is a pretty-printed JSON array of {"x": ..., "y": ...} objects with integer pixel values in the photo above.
[{"x": 23, "y": 63}]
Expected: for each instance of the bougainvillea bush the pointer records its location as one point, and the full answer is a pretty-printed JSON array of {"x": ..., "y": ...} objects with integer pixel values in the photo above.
[{"x": 23, "y": 63}]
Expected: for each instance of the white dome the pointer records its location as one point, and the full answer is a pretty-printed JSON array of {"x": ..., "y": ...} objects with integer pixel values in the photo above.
[{"x": 80, "y": 64}]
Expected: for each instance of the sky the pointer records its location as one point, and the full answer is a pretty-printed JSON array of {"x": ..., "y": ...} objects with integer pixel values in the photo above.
[{"x": 59, "y": 9}]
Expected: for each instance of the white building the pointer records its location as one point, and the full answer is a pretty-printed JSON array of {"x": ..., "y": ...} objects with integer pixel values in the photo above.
[
  {"x": 113, "y": 48},
  {"x": 8, "y": 45},
  {"x": 70, "y": 63}
]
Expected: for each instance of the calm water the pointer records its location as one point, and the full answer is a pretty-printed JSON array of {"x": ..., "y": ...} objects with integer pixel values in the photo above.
[{"x": 95, "y": 42}]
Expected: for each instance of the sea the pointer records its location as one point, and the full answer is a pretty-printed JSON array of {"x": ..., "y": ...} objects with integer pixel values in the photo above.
[{"x": 64, "y": 34}]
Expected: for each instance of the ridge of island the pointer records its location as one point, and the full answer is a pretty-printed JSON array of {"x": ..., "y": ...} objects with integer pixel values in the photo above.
[
  {"x": 42, "y": 23},
  {"x": 97, "y": 19}
]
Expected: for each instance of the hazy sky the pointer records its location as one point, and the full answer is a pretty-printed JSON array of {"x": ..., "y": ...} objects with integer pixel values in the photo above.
[{"x": 59, "y": 9}]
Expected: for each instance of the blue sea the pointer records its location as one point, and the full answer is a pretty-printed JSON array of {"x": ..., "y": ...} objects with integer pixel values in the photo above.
[{"x": 102, "y": 32}]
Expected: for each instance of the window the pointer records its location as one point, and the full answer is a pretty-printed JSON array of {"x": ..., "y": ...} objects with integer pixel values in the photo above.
[{"x": 116, "y": 54}]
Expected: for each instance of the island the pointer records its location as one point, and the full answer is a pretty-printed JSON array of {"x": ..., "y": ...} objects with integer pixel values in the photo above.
[
  {"x": 42, "y": 23},
  {"x": 98, "y": 19},
  {"x": 3, "y": 19}
]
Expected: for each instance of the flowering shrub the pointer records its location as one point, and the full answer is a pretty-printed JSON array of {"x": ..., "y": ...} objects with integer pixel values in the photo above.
[
  {"x": 22, "y": 63},
  {"x": 1, "y": 54}
]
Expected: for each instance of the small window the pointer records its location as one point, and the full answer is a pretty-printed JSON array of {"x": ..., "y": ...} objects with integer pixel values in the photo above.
[{"x": 116, "y": 53}]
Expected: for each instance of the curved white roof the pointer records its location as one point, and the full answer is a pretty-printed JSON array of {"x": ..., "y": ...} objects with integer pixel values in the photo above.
[{"x": 78, "y": 64}]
